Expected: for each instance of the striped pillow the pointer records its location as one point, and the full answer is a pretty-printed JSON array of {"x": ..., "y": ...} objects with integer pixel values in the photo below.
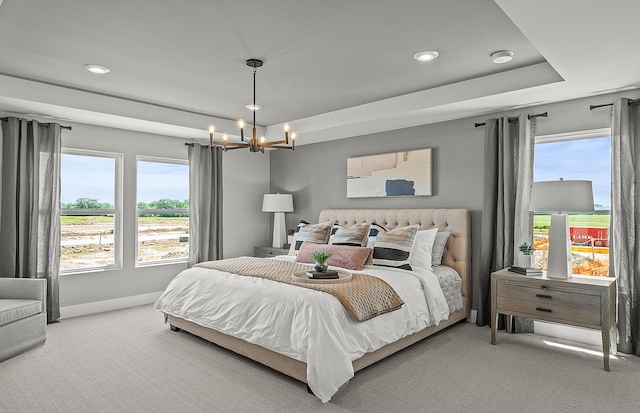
[
  {"x": 355, "y": 236},
  {"x": 374, "y": 230},
  {"x": 393, "y": 248},
  {"x": 317, "y": 233}
]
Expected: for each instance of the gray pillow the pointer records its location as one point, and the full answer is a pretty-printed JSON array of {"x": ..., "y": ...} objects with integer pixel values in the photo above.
[{"x": 438, "y": 247}]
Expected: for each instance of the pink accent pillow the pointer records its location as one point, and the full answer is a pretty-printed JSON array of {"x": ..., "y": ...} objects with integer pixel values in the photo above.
[{"x": 343, "y": 256}]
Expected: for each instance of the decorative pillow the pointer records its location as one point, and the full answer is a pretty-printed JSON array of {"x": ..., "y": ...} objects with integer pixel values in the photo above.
[
  {"x": 343, "y": 256},
  {"x": 355, "y": 236},
  {"x": 393, "y": 248},
  {"x": 374, "y": 230},
  {"x": 318, "y": 233},
  {"x": 423, "y": 247},
  {"x": 438, "y": 247}
]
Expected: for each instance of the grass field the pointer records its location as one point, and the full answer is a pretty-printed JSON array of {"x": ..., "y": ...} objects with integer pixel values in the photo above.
[
  {"x": 577, "y": 220},
  {"x": 86, "y": 220}
]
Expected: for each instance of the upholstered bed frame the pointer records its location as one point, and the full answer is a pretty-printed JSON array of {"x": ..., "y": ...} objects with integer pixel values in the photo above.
[{"x": 457, "y": 255}]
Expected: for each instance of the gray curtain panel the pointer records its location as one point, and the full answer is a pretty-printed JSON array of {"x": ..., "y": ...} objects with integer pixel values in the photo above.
[
  {"x": 30, "y": 204},
  {"x": 624, "y": 251},
  {"x": 508, "y": 174},
  {"x": 205, "y": 203}
]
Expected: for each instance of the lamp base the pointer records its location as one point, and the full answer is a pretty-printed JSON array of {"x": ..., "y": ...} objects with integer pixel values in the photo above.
[
  {"x": 279, "y": 230},
  {"x": 559, "y": 263}
]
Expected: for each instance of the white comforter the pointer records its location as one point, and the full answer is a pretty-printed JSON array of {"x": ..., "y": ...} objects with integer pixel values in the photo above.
[{"x": 304, "y": 324}]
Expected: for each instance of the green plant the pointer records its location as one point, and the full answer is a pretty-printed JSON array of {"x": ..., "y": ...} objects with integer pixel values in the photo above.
[
  {"x": 526, "y": 248},
  {"x": 321, "y": 256}
]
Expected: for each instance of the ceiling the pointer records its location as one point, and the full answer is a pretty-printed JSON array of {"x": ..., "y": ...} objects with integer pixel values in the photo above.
[{"x": 333, "y": 68}]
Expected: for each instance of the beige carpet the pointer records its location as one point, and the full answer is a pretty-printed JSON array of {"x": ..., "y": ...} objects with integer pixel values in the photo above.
[{"x": 129, "y": 361}]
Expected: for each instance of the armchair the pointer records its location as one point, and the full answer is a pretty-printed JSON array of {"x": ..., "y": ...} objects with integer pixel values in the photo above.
[{"x": 23, "y": 315}]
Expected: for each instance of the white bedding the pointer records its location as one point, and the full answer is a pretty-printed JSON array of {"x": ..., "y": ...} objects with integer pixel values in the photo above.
[{"x": 304, "y": 324}]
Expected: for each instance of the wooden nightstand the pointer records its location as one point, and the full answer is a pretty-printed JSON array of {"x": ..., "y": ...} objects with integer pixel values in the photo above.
[
  {"x": 580, "y": 301},
  {"x": 266, "y": 252}
]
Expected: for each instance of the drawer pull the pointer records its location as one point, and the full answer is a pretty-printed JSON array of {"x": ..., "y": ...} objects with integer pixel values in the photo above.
[
  {"x": 546, "y": 310},
  {"x": 543, "y": 296},
  {"x": 544, "y": 287}
]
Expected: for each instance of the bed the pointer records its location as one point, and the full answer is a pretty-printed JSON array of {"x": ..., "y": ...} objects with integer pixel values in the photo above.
[{"x": 283, "y": 336}]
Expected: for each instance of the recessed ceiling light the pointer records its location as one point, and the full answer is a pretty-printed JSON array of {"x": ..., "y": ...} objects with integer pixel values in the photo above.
[
  {"x": 251, "y": 107},
  {"x": 97, "y": 69},
  {"x": 502, "y": 56},
  {"x": 425, "y": 55}
]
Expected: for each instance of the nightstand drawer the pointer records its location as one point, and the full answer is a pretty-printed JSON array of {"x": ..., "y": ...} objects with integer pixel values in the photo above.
[
  {"x": 550, "y": 310},
  {"x": 550, "y": 295},
  {"x": 266, "y": 252}
]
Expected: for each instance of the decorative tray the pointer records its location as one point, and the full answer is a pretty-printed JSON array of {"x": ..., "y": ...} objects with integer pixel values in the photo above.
[{"x": 304, "y": 278}]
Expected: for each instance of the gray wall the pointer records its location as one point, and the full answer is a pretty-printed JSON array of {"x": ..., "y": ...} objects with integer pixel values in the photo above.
[{"x": 316, "y": 174}]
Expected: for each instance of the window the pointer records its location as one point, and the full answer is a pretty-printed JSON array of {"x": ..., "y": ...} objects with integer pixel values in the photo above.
[
  {"x": 90, "y": 205},
  {"x": 163, "y": 210},
  {"x": 583, "y": 156}
]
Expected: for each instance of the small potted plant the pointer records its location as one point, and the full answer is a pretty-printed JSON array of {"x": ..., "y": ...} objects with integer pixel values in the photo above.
[
  {"x": 321, "y": 258},
  {"x": 526, "y": 258}
]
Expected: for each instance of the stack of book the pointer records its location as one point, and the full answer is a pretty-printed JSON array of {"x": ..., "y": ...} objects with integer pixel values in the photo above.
[
  {"x": 526, "y": 271},
  {"x": 328, "y": 274}
]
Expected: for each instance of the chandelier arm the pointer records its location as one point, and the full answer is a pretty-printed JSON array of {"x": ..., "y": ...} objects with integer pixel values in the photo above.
[
  {"x": 281, "y": 147},
  {"x": 276, "y": 142},
  {"x": 230, "y": 144},
  {"x": 226, "y": 148}
]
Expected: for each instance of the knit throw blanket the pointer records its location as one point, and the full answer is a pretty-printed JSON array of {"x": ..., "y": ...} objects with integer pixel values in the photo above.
[{"x": 363, "y": 296}]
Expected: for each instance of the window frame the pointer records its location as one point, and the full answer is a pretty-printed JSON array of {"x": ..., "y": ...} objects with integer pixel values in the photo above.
[
  {"x": 571, "y": 136},
  {"x": 147, "y": 158},
  {"x": 116, "y": 211}
]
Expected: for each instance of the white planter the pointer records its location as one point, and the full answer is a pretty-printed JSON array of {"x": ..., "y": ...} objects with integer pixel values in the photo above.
[{"x": 525, "y": 261}]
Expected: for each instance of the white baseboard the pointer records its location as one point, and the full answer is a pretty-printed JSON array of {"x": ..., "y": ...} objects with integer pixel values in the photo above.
[
  {"x": 473, "y": 316},
  {"x": 108, "y": 305}
]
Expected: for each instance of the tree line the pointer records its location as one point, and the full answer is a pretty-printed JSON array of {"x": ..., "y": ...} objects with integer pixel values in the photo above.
[{"x": 90, "y": 203}]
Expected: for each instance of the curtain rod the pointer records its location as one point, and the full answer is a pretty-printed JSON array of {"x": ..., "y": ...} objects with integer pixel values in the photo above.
[
  {"x": 541, "y": 115},
  {"x": 592, "y": 107},
  {"x": 63, "y": 127}
]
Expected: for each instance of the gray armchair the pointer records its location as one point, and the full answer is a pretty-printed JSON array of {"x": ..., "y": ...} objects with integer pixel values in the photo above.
[{"x": 23, "y": 315}]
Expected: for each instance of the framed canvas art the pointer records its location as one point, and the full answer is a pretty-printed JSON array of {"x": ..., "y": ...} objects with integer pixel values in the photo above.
[{"x": 406, "y": 173}]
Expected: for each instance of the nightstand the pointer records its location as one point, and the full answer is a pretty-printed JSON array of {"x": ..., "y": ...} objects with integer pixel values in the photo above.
[
  {"x": 266, "y": 252},
  {"x": 580, "y": 301}
]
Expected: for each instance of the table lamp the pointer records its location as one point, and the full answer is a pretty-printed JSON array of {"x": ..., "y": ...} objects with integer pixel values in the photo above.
[
  {"x": 574, "y": 196},
  {"x": 279, "y": 204}
]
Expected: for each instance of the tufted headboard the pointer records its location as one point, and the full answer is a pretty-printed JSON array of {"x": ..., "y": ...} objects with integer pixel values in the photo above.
[{"x": 457, "y": 253}]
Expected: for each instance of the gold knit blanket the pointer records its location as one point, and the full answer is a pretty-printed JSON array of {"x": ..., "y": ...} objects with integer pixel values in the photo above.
[{"x": 363, "y": 296}]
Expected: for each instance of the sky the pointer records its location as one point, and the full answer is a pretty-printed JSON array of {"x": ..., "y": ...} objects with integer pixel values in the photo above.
[
  {"x": 94, "y": 177},
  {"x": 583, "y": 159}
]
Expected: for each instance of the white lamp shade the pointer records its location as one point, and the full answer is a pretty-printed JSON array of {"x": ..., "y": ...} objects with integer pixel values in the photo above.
[
  {"x": 557, "y": 196},
  {"x": 277, "y": 203}
]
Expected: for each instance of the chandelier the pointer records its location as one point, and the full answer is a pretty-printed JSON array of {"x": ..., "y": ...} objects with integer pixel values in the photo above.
[{"x": 254, "y": 144}]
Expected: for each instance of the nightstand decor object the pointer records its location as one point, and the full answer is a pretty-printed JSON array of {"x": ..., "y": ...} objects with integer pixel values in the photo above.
[
  {"x": 279, "y": 204},
  {"x": 575, "y": 196}
]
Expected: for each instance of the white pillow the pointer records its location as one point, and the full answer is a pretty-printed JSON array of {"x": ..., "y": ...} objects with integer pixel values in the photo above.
[
  {"x": 438, "y": 247},
  {"x": 423, "y": 248}
]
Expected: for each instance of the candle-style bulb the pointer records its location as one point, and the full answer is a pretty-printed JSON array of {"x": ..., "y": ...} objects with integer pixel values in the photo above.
[
  {"x": 212, "y": 129},
  {"x": 286, "y": 127},
  {"x": 262, "y": 139},
  {"x": 241, "y": 123},
  {"x": 225, "y": 137}
]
